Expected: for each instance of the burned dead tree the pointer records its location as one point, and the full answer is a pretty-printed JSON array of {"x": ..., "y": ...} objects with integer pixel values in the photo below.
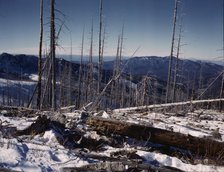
[
  {"x": 176, "y": 66},
  {"x": 222, "y": 83},
  {"x": 89, "y": 87},
  {"x": 40, "y": 56},
  {"x": 169, "y": 79},
  {"x": 52, "y": 55},
  {"x": 79, "y": 101},
  {"x": 198, "y": 146},
  {"x": 100, "y": 62},
  {"x": 114, "y": 85}
]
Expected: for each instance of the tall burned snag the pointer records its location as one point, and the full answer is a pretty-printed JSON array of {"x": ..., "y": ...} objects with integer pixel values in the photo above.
[
  {"x": 168, "y": 87},
  {"x": 79, "y": 102},
  {"x": 52, "y": 55},
  {"x": 40, "y": 56},
  {"x": 89, "y": 72},
  {"x": 176, "y": 69},
  {"x": 222, "y": 83},
  {"x": 100, "y": 63}
]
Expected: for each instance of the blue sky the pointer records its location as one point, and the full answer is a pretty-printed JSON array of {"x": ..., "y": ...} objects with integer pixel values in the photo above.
[{"x": 148, "y": 25}]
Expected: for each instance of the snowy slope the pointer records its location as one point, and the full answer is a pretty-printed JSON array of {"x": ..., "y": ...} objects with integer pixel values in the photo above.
[{"x": 44, "y": 153}]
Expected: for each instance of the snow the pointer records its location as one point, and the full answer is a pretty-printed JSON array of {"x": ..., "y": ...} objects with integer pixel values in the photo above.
[
  {"x": 177, "y": 163},
  {"x": 44, "y": 153},
  {"x": 34, "y": 77},
  {"x": 4, "y": 82},
  {"x": 48, "y": 155},
  {"x": 166, "y": 105},
  {"x": 200, "y": 123},
  {"x": 105, "y": 115}
]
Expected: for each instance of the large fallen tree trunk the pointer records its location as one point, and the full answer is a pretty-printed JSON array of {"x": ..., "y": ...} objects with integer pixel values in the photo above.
[
  {"x": 198, "y": 146},
  {"x": 68, "y": 138},
  {"x": 17, "y": 111},
  {"x": 170, "y": 107},
  {"x": 119, "y": 166}
]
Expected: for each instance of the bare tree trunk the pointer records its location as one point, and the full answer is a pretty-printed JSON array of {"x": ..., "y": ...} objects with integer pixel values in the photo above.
[
  {"x": 89, "y": 85},
  {"x": 222, "y": 85},
  {"x": 116, "y": 72},
  {"x": 81, "y": 72},
  {"x": 7, "y": 85},
  {"x": 200, "y": 84},
  {"x": 100, "y": 48},
  {"x": 52, "y": 53},
  {"x": 61, "y": 84},
  {"x": 168, "y": 87},
  {"x": 70, "y": 78},
  {"x": 176, "y": 67},
  {"x": 20, "y": 87},
  {"x": 221, "y": 92},
  {"x": 40, "y": 56}
]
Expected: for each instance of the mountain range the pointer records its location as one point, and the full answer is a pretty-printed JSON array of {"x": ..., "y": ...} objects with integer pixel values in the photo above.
[{"x": 193, "y": 75}]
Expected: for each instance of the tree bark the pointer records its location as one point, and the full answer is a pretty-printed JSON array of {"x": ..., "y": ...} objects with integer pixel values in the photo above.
[
  {"x": 40, "y": 57},
  {"x": 52, "y": 52},
  {"x": 198, "y": 146},
  {"x": 171, "y": 54}
]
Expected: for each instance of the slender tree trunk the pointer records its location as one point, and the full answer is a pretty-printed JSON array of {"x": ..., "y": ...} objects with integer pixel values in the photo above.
[
  {"x": 90, "y": 88},
  {"x": 221, "y": 92},
  {"x": 100, "y": 48},
  {"x": 40, "y": 56},
  {"x": 176, "y": 67},
  {"x": 116, "y": 72},
  {"x": 79, "y": 102},
  {"x": 120, "y": 84},
  {"x": 102, "y": 53},
  {"x": 222, "y": 85},
  {"x": 200, "y": 85},
  {"x": 7, "y": 84},
  {"x": 168, "y": 87},
  {"x": 70, "y": 78},
  {"x": 52, "y": 44},
  {"x": 60, "y": 88}
]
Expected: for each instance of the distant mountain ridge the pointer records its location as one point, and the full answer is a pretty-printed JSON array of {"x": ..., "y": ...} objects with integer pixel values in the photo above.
[
  {"x": 158, "y": 67},
  {"x": 14, "y": 65},
  {"x": 154, "y": 66},
  {"x": 193, "y": 76}
]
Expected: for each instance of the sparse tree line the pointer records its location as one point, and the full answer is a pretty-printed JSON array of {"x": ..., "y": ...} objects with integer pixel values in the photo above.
[{"x": 60, "y": 85}]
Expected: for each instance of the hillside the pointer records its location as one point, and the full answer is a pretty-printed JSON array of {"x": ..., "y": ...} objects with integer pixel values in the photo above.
[
  {"x": 193, "y": 75},
  {"x": 19, "y": 76}
]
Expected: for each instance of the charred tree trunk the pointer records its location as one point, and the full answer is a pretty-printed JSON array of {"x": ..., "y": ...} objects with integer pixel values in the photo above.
[
  {"x": 79, "y": 102},
  {"x": 100, "y": 63},
  {"x": 40, "y": 56},
  {"x": 198, "y": 146},
  {"x": 89, "y": 79},
  {"x": 176, "y": 67},
  {"x": 222, "y": 85},
  {"x": 168, "y": 87},
  {"x": 115, "y": 85},
  {"x": 52, "y": 55}
]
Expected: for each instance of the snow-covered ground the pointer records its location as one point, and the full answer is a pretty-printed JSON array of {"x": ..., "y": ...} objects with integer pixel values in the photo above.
[
  {"x": 11, "y": 83},
  {"x": 44, "y": 153},
  {"x": 200, "y": 123},
  {"x": 34, "y": 77}
]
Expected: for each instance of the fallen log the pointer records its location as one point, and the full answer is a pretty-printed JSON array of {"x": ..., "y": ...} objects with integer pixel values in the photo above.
[
  {"x": 119, "y": 166},
  {"x": 174, "y": 107},
  {"x": 204, "y": 147},
  {"x": 17, "y": 111},
  {"x": 68, "y": 138}
]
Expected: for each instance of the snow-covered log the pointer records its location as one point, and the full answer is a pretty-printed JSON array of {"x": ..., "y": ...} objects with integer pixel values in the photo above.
[
  {"x": 119, "y": 166},
  {"x": 174, "y": 106},
  {"x": 198, "y": 146}
]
